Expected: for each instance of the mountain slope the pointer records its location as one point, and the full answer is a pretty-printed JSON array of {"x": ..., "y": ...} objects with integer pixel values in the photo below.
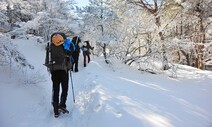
[{"x": 112, "y": 95}]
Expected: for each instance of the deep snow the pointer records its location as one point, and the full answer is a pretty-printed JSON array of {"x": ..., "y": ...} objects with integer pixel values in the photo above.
[{"x": 112, "y": 95}]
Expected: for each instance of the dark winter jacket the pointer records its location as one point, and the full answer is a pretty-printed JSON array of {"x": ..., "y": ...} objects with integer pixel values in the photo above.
[
  {"x": 59, "y": 57},
  {"x": 87, "y": 47},
  {"x": 76, "y": 40}
]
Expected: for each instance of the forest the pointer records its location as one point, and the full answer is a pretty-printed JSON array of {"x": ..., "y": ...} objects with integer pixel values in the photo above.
[{"x": 151, "y": 35}]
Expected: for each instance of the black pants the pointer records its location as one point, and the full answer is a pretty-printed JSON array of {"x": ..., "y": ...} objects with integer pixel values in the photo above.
[
  {"x": 75, "y": 63},
  {"x": 86, "y": 54},
  {"x": 59, "y": 77}
]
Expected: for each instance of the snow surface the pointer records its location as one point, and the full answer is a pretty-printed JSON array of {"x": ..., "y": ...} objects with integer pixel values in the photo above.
[{"x": 112, "y": 95}]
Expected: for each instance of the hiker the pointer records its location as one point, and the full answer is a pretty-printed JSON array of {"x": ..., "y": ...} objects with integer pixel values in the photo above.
[
  {"x": 59, "y": 63},
  {"x": 77, "y": 42},
  {"x": 86, "y": 51}
]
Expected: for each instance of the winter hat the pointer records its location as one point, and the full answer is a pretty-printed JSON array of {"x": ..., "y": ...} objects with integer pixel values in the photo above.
[{"x": 57, "y": 39}]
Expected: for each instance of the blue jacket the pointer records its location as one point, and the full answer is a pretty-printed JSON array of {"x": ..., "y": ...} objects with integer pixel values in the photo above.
[{"x": 69, "y": 45}]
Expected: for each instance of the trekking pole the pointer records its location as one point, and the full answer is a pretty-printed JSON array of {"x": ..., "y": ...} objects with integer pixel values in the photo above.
[
  {"x": 93, "y": 54},
  {"x": 72, "y": 85}
]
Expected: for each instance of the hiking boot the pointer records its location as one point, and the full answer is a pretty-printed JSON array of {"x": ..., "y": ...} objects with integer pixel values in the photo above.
[
  {"x": 84, "y": 65},
  {"x": 76, "y": 70},
  {"x": 63, "y": 110},
  {"x": 56, "y": 114},
  {"x": 55, "y": 106}
]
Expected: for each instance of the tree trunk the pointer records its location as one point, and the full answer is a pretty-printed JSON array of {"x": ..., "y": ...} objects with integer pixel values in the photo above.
[
  {"x": 201, "y": 38},
  {"x": 165, "y": 65},
  {"x": 104, "y": 53},
  {"x": 186, "y": 56}
]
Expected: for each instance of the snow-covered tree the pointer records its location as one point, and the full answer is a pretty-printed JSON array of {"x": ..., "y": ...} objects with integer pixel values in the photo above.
[
  {"x": 155, "y": 8},
  {"x": 201, "y": 10},
  {"x": 40, "y": 18},
  {"x": 192, "y": 26},
  {"x": 99, "y": 25}
]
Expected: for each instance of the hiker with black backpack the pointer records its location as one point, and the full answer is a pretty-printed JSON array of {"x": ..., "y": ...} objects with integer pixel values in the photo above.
[
  {"x": 77, "y": 42},
  {"x": 58, "y": 61},
  {"x": 86, "y": 51}
]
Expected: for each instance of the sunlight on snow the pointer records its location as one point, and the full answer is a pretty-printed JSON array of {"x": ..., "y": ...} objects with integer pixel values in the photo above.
[
  {"x": 157, "y": 120},
  {"x": 152, "y": 86},
  {"x": 140, "y": 111}
]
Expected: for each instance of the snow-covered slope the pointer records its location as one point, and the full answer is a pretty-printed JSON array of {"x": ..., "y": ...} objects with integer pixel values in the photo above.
[{"x": 112, "y": 95}]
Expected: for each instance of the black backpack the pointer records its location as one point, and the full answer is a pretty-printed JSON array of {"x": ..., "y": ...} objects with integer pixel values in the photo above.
[{"x": 57, "y": 58}]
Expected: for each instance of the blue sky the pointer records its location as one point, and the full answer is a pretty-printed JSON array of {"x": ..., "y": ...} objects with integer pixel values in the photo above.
[{"x": 82, "y": 2}]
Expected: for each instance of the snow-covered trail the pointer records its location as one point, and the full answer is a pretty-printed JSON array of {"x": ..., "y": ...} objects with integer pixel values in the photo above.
[
  {"x": 129, "y": 98},
  {"x": 107, "y": 98}
]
